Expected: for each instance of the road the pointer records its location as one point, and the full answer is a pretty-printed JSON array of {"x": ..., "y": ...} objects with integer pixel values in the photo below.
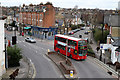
[{"x": 45, "y": 68}]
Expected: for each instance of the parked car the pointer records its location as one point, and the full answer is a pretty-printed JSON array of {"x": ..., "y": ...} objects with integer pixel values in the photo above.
[
  {"x": 82, "y": 28},
  {"x": 86, "y": 32},
  {"x": 89, "y": 31},
  {"x": 70, "y": 32},
  {"x": 29, "y": 39},
  {"x": 73, "y": 31},
  {"x": 76, "y": 30}
]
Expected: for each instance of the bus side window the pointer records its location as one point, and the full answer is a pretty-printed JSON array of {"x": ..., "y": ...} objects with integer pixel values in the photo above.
[
  {"x": 56, "y": 38},
  {"x": 75, "y": 52},
  {"x": 80, "y": 51},
  {"x": 68, "y": 49}
]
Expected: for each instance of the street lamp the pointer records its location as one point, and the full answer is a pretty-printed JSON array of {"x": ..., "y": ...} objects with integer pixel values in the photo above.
[
  {"x": 6, "y": 57},
  {"x": 102, "y": 37},
  {"x": 102, "y": 29},
  {"x": 66, "y": 45}
]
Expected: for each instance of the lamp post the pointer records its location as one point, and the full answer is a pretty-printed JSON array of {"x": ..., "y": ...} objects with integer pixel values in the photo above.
[
  {"x": 102, "y": 37},
  {"x": 66, "y": 45},
  {"x": 14, "y": 38},
  {"x": 6, "y": 58}
]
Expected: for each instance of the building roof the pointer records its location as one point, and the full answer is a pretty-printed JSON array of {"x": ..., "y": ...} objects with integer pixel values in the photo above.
[
  {"x": 116, "y": 42},
  {"x": 114, "y": 20},
  {"x": 68, "y": 37}
]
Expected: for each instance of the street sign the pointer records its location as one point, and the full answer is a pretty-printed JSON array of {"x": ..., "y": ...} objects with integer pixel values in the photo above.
[
  {"x": 71, "y": 74},
  {"x": 101, "y": 47},
  {"x": 117, "y": 53}
]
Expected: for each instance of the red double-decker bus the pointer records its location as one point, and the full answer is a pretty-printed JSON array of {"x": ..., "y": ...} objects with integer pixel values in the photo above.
[{"x": 76, "y": 48}]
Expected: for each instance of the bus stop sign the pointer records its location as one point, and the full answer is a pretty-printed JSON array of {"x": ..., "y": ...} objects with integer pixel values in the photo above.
[{"x": 101, "y": 47}]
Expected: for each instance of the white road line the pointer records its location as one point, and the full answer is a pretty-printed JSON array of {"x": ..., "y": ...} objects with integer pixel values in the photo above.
[
  {"x": 46, "y": 57},
  {"x": 36, "y": 51},
  {"x": 61, "y": 76}
]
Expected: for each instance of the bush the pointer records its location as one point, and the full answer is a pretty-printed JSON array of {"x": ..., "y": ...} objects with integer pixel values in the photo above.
[
  {"x": 14, "y": 56},
  {"x": 82, "y": 25},
  {"x": 73, "y": 27},
  {"x": 97, "y": 33},
  {"x": 90, "y": 51}
]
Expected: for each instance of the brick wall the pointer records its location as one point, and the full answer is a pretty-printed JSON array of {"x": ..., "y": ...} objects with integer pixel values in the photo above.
[
  {"x": 40, "y": 19},
  {"x": 49, "y": 16},
  {"x": 115, "y": 32}
]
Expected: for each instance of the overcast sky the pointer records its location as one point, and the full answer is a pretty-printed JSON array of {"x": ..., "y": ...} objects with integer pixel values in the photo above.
[{"x": 102, "y": 4}]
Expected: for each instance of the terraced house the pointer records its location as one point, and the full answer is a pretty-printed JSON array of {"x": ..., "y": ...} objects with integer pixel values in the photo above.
[{"x": 41, "y": 17}]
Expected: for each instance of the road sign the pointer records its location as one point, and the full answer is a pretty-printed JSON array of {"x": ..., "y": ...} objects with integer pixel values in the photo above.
[
  {"x": 117, "y": 53},
  {"x": 101, "y": 47},
  {"x": 71, "y": 74}
]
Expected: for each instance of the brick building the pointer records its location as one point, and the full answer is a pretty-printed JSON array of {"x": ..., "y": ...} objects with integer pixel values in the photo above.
[{"x": 38, "y": 15}]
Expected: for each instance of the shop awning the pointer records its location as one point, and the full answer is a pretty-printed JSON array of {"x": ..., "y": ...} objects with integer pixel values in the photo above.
[{"x": 27, "y": 27}]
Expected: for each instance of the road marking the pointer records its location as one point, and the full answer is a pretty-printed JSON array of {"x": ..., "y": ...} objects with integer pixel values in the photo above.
[
  {"x": 46, "y": 57},
  {"x": 61, "y": 76},
  {"x": 36, "y": 51},
  {"x": 34, "y": 70}
]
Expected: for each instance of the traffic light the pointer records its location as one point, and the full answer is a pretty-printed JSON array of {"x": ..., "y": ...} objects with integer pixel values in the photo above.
[{"x": 14, "y": 40}]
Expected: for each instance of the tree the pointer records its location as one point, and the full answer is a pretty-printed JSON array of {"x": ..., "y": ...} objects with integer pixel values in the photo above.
[
  {"x": 13, "y": 24},
  {"x": 14, "y": 56},
  {"x": 48, "y": 3},
  {"x": 41, "y": 3},
  {"x": 98, "y": 35}
]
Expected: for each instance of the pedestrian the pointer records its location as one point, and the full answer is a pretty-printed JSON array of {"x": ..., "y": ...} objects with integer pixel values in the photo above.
[
  {"x": 22, "y": 33},
  {"x": 97, "y": 49}
]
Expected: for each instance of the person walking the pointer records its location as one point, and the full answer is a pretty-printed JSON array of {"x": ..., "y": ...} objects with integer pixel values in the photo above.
[{"x": 98, "y": 48}]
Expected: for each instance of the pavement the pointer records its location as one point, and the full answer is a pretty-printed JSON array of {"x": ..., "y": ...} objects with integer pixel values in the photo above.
[{"x": 26, "y": 69}]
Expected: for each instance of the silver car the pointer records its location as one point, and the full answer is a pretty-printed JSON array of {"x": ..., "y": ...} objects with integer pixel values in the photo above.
[{"x": 29, "y": 39}]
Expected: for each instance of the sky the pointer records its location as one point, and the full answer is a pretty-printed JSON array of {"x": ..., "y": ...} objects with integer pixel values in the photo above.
[{"x": 91, "y": 4}]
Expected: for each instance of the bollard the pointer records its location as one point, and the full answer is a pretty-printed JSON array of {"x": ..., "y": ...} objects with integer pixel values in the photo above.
[
  {"x": 71, "y": 74},
  {"x": 48, "y": 50}
]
